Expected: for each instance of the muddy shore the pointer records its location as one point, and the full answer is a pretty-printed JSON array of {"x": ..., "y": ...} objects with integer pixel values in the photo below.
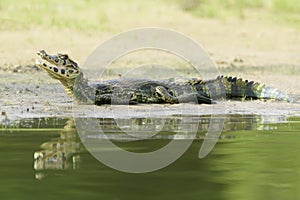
[
  {"x": 257, "y": 51},
  {"x": 29, "y": 93}
]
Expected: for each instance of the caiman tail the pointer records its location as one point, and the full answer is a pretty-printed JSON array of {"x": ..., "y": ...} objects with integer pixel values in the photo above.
[{"x": 237, "y": 88}]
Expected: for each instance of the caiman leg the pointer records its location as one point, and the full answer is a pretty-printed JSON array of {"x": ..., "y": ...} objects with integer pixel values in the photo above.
[
  {"x": 167, "y": 97},
  {"x": 163, "y": 94}
]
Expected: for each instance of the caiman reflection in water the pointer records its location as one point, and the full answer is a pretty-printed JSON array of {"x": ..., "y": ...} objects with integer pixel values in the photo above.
[
  {"x": 64, "y": 152},
  {"x": 59, "y": 153}
]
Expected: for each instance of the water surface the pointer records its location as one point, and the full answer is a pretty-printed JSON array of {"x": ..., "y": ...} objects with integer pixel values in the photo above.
[{"x": 256, "y": 157}]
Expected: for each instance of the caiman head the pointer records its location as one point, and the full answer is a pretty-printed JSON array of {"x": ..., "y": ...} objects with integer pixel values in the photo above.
[{"x": 60, "y": 67}]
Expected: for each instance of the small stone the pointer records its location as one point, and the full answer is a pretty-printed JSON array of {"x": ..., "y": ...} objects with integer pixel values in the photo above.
[{"x": 239, "y": 60}]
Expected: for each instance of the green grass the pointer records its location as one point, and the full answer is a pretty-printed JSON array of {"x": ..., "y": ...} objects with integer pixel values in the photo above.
[
  {"x": 220, "y": 8},
  {"x": 52, "y": 13},
  {"x": 79, "y": 14},
  {"x": 287, "y": 11},
  {"x": 101, "y": 14}
]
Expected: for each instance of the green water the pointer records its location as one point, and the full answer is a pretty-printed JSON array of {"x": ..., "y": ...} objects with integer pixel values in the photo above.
[{"x": 256, "y": 157}]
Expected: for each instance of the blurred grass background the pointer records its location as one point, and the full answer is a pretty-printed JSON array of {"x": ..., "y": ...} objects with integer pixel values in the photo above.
[
  {"x": 278, "y": 10},
  {"x": 258, "y": 32},
  {"x": 109, "y": 14}
]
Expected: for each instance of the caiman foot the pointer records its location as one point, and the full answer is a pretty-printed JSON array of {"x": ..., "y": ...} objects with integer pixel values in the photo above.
[{"x": 163, "y": 94}]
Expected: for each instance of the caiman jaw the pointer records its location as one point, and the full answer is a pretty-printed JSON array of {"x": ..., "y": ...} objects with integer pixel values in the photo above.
[{"x": 58, "y": 66}]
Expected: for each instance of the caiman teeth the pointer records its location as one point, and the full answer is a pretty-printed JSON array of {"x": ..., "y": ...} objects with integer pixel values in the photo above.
[
  {"x": 39, "y": 63},
  {"x": 42, "y": 64}
]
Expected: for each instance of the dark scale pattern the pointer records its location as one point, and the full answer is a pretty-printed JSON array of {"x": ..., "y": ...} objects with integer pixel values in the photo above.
[
  {"x": 175, "y": 90},
  {"x": 249, "y": 93}
]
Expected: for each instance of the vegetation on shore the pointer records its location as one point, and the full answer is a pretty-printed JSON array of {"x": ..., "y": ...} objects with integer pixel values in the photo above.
[{"x": 95, "y": 15}]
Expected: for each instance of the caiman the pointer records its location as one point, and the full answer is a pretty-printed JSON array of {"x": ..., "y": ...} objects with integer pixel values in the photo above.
[{"x": 132, "y": 91}]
